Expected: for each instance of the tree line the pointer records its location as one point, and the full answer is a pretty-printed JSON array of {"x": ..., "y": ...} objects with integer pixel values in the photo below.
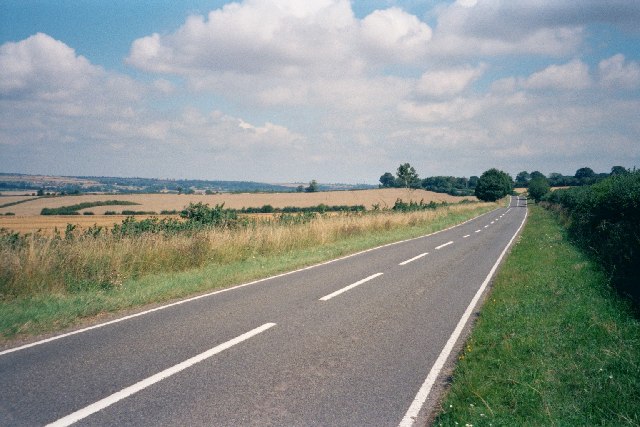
[
  {"x": 407, "y": 177},
  {"x": 491, "y": 186},
  {"x": 494, "y": 184}
]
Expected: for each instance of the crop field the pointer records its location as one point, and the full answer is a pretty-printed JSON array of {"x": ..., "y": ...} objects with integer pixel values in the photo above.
[
  {"x": 10, "y": 199},
  {"x": 28, "y": 219}
]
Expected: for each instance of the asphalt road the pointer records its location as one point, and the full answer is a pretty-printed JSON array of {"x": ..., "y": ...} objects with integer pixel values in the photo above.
[{"x": 356, "y": 341}]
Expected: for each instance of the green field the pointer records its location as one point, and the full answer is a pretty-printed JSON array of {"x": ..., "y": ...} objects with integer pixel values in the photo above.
[{"x": 553, "y": 344}]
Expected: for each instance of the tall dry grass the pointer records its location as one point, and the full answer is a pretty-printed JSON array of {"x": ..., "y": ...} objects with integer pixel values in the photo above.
[{"x": 57, "y": 266}]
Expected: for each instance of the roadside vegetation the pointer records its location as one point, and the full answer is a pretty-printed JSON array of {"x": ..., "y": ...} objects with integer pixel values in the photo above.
[
  {"x": 48, "y": 283},
  {"x": 604, "y": 220},
  {"x": 553, "y": 345}
]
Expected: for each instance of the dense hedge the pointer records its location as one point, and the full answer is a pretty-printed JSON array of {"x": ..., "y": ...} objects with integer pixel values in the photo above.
[
  {"x": 605, "y": 220},
  {"x": 73, "y": 209}
]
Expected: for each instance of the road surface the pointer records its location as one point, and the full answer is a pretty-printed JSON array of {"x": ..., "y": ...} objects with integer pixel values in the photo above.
[{"x": 355, "y": 341}]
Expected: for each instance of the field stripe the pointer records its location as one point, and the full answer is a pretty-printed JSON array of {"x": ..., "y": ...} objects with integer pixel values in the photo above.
[
  {"x": 351, "y": 286},
  {"x": 412, "y": 413},
  {"x": 126, "y": 392}
]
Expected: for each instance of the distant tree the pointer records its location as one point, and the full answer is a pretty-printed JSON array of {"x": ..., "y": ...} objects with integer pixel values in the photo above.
[
  {"x": 536, "y": 174},
  {"x": 179, "y": 189},
  {"x": 313, "y": 187},
  {"x": 619, "y": 170},
  {"x": 473, "y": 181},
  {"x": 387, "y": 180},
  {"x": 40, "y": 192},
  {"x": 556, "y": 179},
  {"x": 300, "y": 188},
  {"x": 538, "y": 187},
  {"x": 407, "y": 176},
  {"x": 522, "y": 179},
  {"x": 584, "y": 173},
  {"x": 494, "y": 185}
]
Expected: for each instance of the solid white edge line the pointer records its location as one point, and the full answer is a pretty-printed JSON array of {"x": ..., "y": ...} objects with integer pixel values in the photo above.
[
  {"x": 446, "y": 244},
  {"x": 413, "y": 259},
  {"x": 126, "y": 392},
  {"x": 411, "y": 414},
  {"x": 351, "y": 286},
  {"x": 121, "y": 319}
]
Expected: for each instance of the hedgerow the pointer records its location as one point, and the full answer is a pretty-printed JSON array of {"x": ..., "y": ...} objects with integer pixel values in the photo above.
[{"x": 604, "y": 219}]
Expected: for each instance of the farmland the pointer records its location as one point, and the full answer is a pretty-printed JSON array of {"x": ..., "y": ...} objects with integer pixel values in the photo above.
[{"x": 28, "y": 219}]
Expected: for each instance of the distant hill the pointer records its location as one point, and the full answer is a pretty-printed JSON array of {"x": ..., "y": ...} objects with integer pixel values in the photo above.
[{"x": 101, "y": 184}]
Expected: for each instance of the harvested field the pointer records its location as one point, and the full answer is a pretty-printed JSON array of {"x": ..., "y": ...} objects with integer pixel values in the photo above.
[
  {"x": 48, "y": 224},
  {"x": 8, "y": 200},
  {"x": 159, "y": 202},
  {"x": 29, "y": 220}
]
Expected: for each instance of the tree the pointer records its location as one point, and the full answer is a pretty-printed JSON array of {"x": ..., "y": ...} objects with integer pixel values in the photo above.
[
  {"x": 556, "y": 179},
  {"x": 300, "y": 188},
  {"x": 522, "y": 179},
  {"x": 619, "y": 170},
  {"x": 313, "y": 187},
  {"x": 388, "y": 180},
  {"x": 536, "y": 175},
  {"x": 585, "y": 176},
  {"x": 538, "y": 187},
  {"x": 407, "y": 176},
  {"x": 493, "y": 185}
]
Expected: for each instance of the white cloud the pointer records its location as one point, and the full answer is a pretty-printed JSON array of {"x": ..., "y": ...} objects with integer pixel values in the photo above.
[
  {"x": 448, "y": 81},
  {"x": 283, "y": 38},
  {"x": 393, "y": 35},
  {"x": 497, "y": 27},
  {"x": 44, "y": 66},
  {"x": 616, "y": 72},
  {"x": 571, "y": 76}
]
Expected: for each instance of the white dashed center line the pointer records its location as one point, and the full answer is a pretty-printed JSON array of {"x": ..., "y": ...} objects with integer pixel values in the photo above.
[
  {"x": 446, "y": 244},
  {"x": 413, "y": 259},
  {"x": 346, "y": 288}
]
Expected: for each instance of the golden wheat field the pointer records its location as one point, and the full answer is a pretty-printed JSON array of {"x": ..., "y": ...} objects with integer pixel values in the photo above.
[{"x": 28, "y": 219}]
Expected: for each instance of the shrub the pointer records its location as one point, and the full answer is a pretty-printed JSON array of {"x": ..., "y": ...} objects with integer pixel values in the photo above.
[{"x": 604, "y": 219}]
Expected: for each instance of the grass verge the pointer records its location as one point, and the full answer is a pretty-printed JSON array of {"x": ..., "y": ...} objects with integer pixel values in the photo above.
[
  {"x": 230, "y": 258},
  {"x": 553, "y": 344}
]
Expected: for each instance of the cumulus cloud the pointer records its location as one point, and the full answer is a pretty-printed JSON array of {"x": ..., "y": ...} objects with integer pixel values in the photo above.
[
  {"x": 571, "y": 76},
  {"x": 283, "y": 38},
  {"x": 54, "y": 100},
  {"x": 42, "y": 65},
  {"x": 448, "y": 82},
  {"x": 394, "y": 35},
  {"x": 616, "y": 72}
]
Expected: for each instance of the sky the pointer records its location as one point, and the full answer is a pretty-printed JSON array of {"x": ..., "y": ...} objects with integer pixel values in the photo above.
[{"x": 334, "y": 90}]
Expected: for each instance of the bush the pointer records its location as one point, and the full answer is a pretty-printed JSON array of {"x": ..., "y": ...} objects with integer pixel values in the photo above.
[{"x": 604, "y": 219}]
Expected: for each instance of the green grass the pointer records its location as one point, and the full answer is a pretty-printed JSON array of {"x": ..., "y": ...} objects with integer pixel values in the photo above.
[
  {"x": 51, "y": 311},
  {"x": 553, "y": 344}
]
